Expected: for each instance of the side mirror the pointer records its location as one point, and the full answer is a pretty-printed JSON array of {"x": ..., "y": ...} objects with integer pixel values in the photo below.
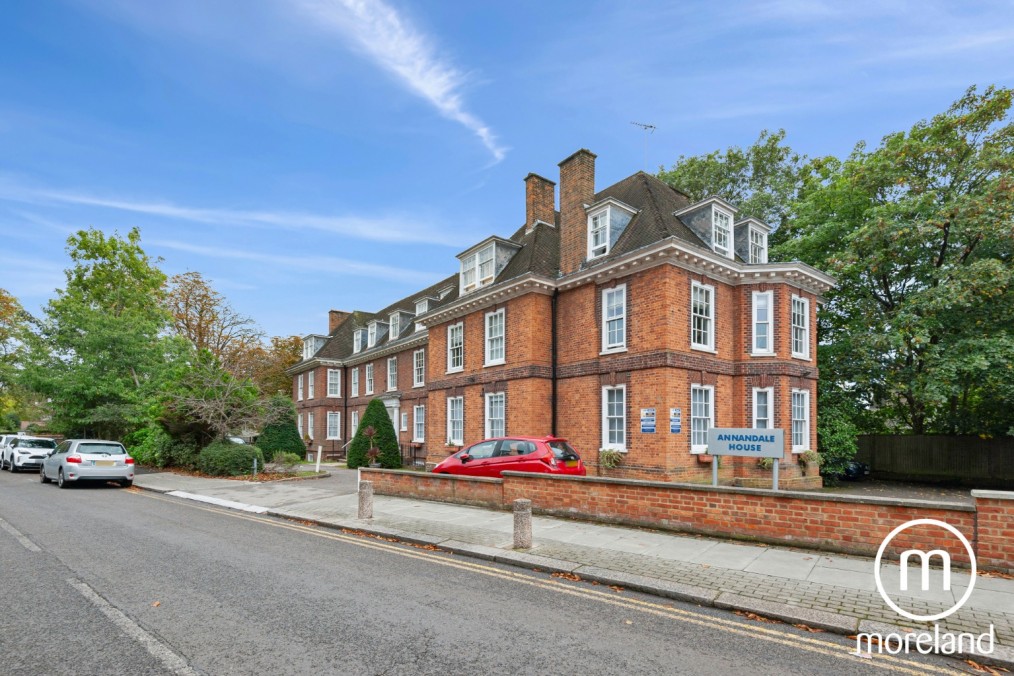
[{"x": 464, "y": 457}]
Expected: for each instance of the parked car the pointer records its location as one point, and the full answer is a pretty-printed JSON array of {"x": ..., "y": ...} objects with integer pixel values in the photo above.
[
  {"x": 88, "y": 460},
  {"x": 25, "y": 453},
  {"x": 489, "y": 458}
]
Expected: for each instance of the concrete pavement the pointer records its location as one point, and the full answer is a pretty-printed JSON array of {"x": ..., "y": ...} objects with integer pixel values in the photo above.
[{"x": 832, "y": 592}]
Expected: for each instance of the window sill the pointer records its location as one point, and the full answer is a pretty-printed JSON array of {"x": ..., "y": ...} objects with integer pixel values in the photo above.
[
  {"x": 418, "y": 386},
  {"x": 499, "y": 362},
  {"x": 418, "y": 441},
  {"x": 612, "y": 448},
  {"x": 801, "y": 357},
  {"x": 800, "y": 450},
  {"x": 763, "y": 354},
  {"x": 333, "y": 439},
  {"x": 613, "y": 350},
  {"x": 368, "y": 393},
  {"x": 703, "y": 348},
  {"x": 333, "y": 396},
  {"x": 699, "y": 451},
  {"x": 457, "y": 370}
]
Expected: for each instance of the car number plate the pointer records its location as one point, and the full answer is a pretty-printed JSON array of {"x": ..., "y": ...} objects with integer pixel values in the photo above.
[
  {"x": 105, "y": 463},
  {"x": 570, "y": 463}
]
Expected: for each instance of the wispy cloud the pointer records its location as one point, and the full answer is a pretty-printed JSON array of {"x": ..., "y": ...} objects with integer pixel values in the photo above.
[
  {"x": 31, "y": 277},
  {"x": 400, "y": 48},
  {"x": 381, "y": 228},
  {"x": 331, "y": 265}
]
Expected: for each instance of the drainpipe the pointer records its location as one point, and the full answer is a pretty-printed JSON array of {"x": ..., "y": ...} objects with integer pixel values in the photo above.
[
  {"x": 346, "y": 389},
  {"x": 552, "y": 313}
]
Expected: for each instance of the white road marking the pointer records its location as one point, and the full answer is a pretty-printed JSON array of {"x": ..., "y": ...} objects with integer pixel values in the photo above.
[
  {"x": 242, "y": 506},
  {"x": 28, "y": 544},
  {"x": 160, "y": 651}
]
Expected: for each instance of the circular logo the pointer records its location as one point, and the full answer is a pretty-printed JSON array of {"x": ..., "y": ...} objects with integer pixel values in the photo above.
[{"x": 924, "y": 557}]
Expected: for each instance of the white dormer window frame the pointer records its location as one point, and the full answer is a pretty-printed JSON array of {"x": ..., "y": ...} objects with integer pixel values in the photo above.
[
  {"x": 757, "y": 241},
  {"x": 721, "y": 232},
  {"x": 478, "y": 269},
  {"x": 395, "y": 329},
  {"x": 422, "y": 306},
  {"x": 598, "y": 233},
  {"x": 357, "y": 341},
  {"x": 371, "y": 335}
]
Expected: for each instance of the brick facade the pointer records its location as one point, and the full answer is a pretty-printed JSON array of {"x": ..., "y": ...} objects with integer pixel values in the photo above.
[{"x": 556, "y": 363}]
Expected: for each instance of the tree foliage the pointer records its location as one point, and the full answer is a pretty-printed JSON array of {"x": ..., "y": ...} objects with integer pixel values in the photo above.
[
  {"x": 281, "y": 435},
  {"x": 386, "y": 439},
  {"x": 919, "y": 234},
  {"x": 99, "y": 355},
  {"x": 204, "y": 317}
]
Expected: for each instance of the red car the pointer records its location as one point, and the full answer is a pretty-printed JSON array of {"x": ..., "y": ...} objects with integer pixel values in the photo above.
[{"x": 517, "y": 454}]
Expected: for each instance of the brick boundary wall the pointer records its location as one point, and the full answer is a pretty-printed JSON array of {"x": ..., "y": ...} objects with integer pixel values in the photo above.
[{"x": 838, "y": 523}]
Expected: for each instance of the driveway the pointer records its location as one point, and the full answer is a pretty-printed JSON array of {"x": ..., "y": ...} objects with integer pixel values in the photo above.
[{"x": 901, "y": 490}]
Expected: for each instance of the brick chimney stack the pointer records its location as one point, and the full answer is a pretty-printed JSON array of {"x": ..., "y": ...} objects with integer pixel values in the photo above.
[
  {"x": 334, "y": 318},
  {"x": 540, "y": 200},
  {"x": 577, "y": 188}
]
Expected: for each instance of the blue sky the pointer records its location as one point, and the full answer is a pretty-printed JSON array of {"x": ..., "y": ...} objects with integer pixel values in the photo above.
[{"x": 315, "y": 154}]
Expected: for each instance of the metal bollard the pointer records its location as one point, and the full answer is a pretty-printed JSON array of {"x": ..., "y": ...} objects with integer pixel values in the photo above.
[
  {"x": 365, "y": 499},
  {"x": 522, "y": 524}
]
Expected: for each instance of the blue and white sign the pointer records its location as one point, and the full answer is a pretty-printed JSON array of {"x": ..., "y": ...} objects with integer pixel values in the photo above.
[
  {"x": 746, "y": 443},
  {"x": 675, "y": 420},
  {"x": 647, "y": 421}
]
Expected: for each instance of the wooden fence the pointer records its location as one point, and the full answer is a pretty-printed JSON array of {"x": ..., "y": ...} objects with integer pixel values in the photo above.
[{"x": 961, "y": 461}]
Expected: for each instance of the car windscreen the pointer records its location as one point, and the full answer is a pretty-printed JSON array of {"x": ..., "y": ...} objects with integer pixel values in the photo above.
[
  {"x": 563, "y": 451},
  {"x": 36, "y": 443},
  {"x": 102, "y": 449}
]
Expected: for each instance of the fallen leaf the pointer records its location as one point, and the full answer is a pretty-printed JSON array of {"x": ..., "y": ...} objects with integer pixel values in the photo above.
[
  {"x": 156, "y": 604},
  {"x": 812, "y": 630},
  {"x": 616, "y": 587},
  {"x": 628, "y": 622},
  {"x": 755, "y": 617},
  {"x": 567, "y": 576}
]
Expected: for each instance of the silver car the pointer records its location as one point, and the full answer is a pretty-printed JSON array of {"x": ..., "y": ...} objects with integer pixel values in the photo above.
[
  {"x": 25, "y": 453},
  {"x": 88, "y": 460}
]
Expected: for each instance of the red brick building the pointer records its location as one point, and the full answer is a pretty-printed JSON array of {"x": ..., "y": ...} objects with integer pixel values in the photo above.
[{"x": 628, "y": 299}]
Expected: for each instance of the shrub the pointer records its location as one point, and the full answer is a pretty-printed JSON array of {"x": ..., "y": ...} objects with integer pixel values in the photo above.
[
  {"x": 281, "y": 435},
  {"x": 152, "y": 446},
  {"x": 224, "y": 458},
  {"x": 287, "y": 462},
  {"x": 836, "y": 440},
  {"x": 385, "y": 439}
]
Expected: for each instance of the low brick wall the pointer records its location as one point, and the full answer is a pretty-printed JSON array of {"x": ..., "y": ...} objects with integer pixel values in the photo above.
[
  {"x": 839, "y": 523},
  {"x": 462, "y": 490}
]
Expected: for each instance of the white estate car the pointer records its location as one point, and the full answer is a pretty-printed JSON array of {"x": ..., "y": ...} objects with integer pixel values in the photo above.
[
  {"x": 87, "y": 460},
  {"x": 22, "y": 452}
]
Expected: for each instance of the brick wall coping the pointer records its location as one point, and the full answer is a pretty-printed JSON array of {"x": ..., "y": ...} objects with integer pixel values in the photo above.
[
  {"x": 767, "y": 492},
  {"x": 993, "y": 495},
  {"x": 433, "y": 475}
]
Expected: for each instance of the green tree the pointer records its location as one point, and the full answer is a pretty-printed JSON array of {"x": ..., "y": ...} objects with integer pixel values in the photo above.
[
  {"x": 762, "y": 181},
  {"x": 99, "y": 355},
  {"x": 919, "y": 234},
  {"x": 386, "y": 439},
  {"x": 281, "y": 434}
]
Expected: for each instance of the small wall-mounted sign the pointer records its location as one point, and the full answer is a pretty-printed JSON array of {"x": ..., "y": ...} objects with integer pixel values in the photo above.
[
  {"x": 647, "y": 421},
  {"x": 675, "y": 420}
]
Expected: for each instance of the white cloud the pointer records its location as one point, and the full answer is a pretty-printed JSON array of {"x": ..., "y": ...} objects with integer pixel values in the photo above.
[
  {"x": 400, "y": 48},
  {"x": 331, "y": 265},
  {"x": 390, "y": 228}
]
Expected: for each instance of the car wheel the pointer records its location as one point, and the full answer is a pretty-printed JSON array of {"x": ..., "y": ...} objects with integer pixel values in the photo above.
[
  {"x": 3, "y": 463},
  {"x": 127, "y": 483},
  {"x": 42, "y": 476},
  {"x": 60, "y": 480},
  {"x": 10, "y": 465}
]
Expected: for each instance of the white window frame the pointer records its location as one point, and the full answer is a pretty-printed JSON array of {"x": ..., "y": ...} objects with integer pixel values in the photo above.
[
  {"x": 418, "y": 368},
  {"x": 602, "y": 249},
  {"x": 491, "y": 339},
  {"x": 716, "y": 215},
  {"x": 757, "y": 243},
  {"x": 460, "y": 439},
  {"x": 803, "y": 329},
  {"x": 404, "y": 421},
  {"x": 334, "y": 382},
  {"x": 804, "y": 444},
  {"x": 606, "y": 444},
  {"x": 355, "y": 382},
  {"x": 357, "y": 341},
  {"x": 770, "y": 323},
  {"x": 770, "y": 392},
  {"x": 309, "y": 424},
  {"x": 607, "y": 346},
  {"x": 355, "y": 422},
  {"x": 371, "y": 334},
  {"x": 491, "y": 398},
  {"x": 394, "y": 326},
  {"x": 311, "y": 378},
  {"x": 422, "y": 306},
  {"x": 698, "y": 449},
  {"x": 299, "y": 424},
  {"x": 334, "y": 425},
  {"x": 299, "y": 387},
  {"x": 451, "y": 330},
  {"x": 369, "y": 379},
  {"x": 709, "y": 346},
  {"x": 392, "y": 383},
  {"x": 472, "y": 276},
  {"x": 419, "y": 422}
]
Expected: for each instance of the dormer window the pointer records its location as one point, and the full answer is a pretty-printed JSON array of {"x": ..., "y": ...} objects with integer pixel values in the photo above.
[
  {"x": 371, "y": 336},
  {"x": 477, "y": 269},
  {"x": 721, "y": 232},
  {"x": 357, "y": 341},
  {"x": 311, "y": 345},
  {"x": 598, "y": 235},
  {"x": 422, "y": 306},
  {"x": 395, "y": 325},
  {"x": 758, "y": 246},
  {"x": 606, "y": 221}
]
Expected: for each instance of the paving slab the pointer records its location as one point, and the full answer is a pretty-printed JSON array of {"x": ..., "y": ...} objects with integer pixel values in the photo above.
[
  {"x": 782, "y": 563},
  {"x": 729, "y": 555}
]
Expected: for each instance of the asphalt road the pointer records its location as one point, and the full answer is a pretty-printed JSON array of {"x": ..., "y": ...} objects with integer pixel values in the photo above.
[{"x": 106, "y": 580}]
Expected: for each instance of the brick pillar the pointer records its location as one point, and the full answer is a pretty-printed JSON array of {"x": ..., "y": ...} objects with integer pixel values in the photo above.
[
  {"x": 577, "y": 188},
  {"x": 540, "y": 200}
]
